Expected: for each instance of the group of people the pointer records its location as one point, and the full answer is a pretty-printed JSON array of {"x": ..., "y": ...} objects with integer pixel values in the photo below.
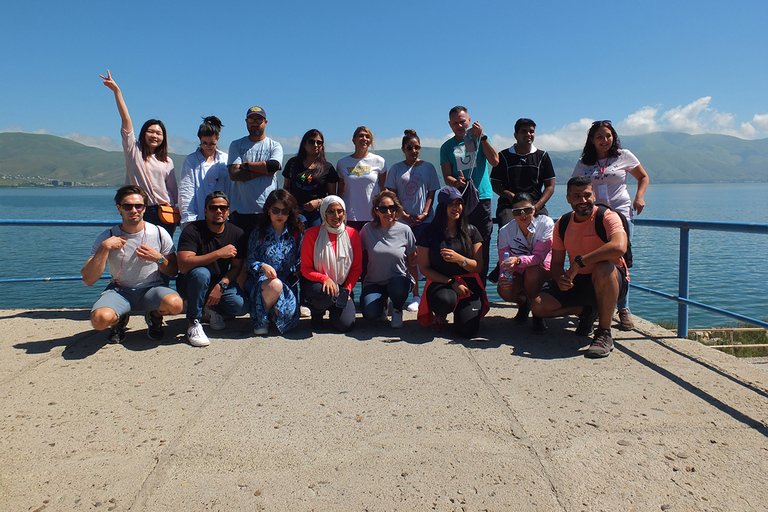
[{"x": 247, "y": 246}]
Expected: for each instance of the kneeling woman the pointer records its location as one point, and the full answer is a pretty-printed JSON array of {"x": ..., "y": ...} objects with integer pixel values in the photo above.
[
  {"x": 525, "y": 249},
  {"x": 273, "y": 264},
  {"x": 450, "y": 256},
  {"x": 389, "y": 244},
  {"x": 331, "y": 264}
]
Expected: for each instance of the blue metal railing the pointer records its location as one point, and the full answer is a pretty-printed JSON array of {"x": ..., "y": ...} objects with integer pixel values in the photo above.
[
  {"x": 682, "y": 299},
  {"x": 683, "y": 279}
]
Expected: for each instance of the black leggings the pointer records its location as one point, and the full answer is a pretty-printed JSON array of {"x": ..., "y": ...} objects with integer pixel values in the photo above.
[{"x": 466, "y": 312}]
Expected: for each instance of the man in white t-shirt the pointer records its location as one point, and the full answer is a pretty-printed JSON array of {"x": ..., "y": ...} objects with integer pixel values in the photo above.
[
  {"x": 253, "y": 163},
  {"x": 139, "y": 253}
]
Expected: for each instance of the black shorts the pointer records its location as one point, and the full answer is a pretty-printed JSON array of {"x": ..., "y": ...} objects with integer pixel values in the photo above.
[{"x": 583, "y": 293}]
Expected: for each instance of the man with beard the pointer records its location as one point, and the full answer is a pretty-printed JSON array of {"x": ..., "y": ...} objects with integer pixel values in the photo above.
[
  {"x": 597, "y": 275},
  {"x": 139, "y": 254},
  {"x": 211, "y": 256},
  {"x": 253, "y": 163}
]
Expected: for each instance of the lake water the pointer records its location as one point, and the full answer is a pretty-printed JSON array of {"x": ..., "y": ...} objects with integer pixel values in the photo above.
[{"x": 729, "y": 271}]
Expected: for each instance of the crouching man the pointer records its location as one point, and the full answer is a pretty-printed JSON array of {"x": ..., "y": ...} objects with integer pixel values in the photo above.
[
  {"x": 211, "y": 256},
  {"x": 138, "y": 253},
  {"x": 596, "y": 276}
]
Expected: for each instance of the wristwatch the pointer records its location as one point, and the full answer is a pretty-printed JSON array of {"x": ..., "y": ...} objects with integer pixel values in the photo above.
[
  {"x": 223, "y": 285},
  {"x": 161, "y": 260},
  {"x": 464, "y": 263},
  {"x": 577, "y": 259},
  {"x": 245, "y": 166},
  {"x": 483, "y": 138}
]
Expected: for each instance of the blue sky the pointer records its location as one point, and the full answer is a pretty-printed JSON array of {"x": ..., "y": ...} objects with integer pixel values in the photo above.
[{"x": 648, "y": 66}]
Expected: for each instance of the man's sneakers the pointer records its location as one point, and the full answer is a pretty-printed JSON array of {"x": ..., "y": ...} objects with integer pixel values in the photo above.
[
  {"x": 215, "y": 320},
  {"x": 602, "y": 344},
  {"x": 117, "y": 331},
  {"x": 196, "y": 335},
  {"x": 397, "y": 319},
  {"x": 587, "y": 319},
  {"x": 413, "y": 307},
  {"x": 155, "y": 329},
  {"x": 625, "y": 320}
]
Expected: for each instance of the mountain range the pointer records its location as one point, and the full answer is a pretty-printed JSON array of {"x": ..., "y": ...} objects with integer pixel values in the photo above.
[{"x": 33, "y": 159}]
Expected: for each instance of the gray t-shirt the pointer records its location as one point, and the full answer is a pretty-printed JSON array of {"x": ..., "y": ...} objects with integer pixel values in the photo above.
[
  {"x": 128, "y": 269},
  {"x": 387, "y": 249}
]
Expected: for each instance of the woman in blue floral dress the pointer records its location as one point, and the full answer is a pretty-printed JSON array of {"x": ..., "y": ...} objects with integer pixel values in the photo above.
[{"x": 274, "y": 251}]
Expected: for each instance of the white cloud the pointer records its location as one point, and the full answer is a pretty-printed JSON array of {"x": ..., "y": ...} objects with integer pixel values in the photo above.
[
  {"x": 641, "y": 122},
  {"x": 760, "y": 121},
  {"x": 103, "y": 142},
  {"x": 569, "y": 137}
]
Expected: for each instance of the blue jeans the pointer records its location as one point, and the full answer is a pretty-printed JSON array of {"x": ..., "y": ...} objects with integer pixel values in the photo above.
[
  {"x": 624, "y": 301},
  {"x": 374, "y": 296},
  {"x": 195, "y": 286}
]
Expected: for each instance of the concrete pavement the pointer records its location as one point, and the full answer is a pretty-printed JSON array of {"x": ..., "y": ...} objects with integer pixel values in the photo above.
[{"x": 379, "y": 419}]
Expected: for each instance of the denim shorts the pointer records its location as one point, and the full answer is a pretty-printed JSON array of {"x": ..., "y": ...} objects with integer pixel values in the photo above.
[{"x": 122, "y": 299}]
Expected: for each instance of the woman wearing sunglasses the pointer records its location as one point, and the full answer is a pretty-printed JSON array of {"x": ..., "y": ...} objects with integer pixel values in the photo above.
[
  {"x": 273, "y": 264},
  {"x": 415, "y": 183},
  {"x": 147, "y": 163},
  {"x": 527, "y": 244},
  {"x": 391, "y": 249},
  {"x": 203, "y": 172},
  {"x": 450, "y": 255},
  {"x": 608, "y": 165},
  {"x": 331, "y": 264},
  {"x": 309, "y": 177}
]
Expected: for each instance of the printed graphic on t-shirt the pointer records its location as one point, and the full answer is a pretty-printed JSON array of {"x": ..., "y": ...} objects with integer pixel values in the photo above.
[
  {"x": 359, "y": 170},
  {"x": 413, "y": 186},
  {"x": 463, "y": 161},
  {"x": 305, "y": 181}
]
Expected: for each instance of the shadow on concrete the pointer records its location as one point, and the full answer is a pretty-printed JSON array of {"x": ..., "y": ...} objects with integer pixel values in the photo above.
[
  {"x": 700, "y": 393},
  {"x": 54, "y": 314}
]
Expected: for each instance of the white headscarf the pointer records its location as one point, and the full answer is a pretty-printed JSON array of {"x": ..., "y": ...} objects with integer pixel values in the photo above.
[{"x": 334, "y": 264}]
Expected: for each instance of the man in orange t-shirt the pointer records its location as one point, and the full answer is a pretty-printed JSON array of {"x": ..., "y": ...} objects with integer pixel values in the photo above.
[{"x": 596, "y": 276}]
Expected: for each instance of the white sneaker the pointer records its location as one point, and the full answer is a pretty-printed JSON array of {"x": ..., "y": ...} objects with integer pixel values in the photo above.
[
  {"x": 216, "y": 321},
  {"x": 397, "y": 319},
  {"x": 304, "y": 312},
  {"x": 196, "y": 335},
  {"x": 414, "y": 305},
  {"x": 261, "y": 331}
]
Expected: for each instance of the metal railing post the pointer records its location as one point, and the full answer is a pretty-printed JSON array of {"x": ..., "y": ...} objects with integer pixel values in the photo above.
[{"x": 685, "y": 261}]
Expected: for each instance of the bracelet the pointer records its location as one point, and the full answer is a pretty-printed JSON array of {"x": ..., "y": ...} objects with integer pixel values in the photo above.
[{"x": 451, "y": 281}]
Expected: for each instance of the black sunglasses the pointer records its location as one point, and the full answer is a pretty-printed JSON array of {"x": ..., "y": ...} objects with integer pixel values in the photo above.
[
  {"x": 128, "y": 206},
  {"x": 384, "y": 209},
  {"x": 411, "y": 148},
  {"x": 527, "y": 210},
  {"x": 315, "y": 142},
  {"x": 280, "y": 211}
]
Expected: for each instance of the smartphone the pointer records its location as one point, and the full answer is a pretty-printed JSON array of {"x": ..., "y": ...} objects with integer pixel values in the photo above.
[
  {"x": 341, "y": 300},
  {"x": 470, "y": 142},
  {"x": 291, "y": 280}
]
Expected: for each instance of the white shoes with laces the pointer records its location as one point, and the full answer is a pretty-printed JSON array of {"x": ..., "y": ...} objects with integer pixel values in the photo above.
[{"x": 196, "y": 335}]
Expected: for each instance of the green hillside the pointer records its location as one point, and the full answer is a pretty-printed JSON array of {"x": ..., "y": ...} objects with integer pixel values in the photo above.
[{"x": 29, "y": 159}]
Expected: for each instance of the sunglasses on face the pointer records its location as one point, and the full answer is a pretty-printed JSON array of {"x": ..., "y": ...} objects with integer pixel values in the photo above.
[
  {"x": 315, "y": 142},
  {"x": 128, "y": 207},
  {"x": 527, "y": 210},
  {"x": 218, "y": 207},
  {"x": 384, "y": 209},
  {"x": 279, "y": 211},
  {"x": 413, "y": 148}
]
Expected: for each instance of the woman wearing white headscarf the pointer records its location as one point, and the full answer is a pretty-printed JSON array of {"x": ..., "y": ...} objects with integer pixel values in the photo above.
[{"x": 331, "y": 264}]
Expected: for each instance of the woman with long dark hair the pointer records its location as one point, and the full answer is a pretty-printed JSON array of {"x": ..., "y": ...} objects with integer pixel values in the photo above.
[
  {"x": 274, "y": 249},
  {"x": 450, "y": 255},
  {"x": 607, "y": 164},
  {"x": 310, "y": 177},
  {"x": 203, "y": 172},
  {"x": 147, "y": 163},
  {"x": 390, "y": 246}
]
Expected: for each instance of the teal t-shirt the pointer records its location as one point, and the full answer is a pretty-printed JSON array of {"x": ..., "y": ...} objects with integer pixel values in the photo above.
[{"x": 452, "y": 151}]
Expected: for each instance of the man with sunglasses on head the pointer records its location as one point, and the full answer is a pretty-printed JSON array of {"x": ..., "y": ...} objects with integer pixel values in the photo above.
[
  {"x": 253, "y": 163},
  {"x": 597, "y": 275},
  {"x": 211, "y": 255},
  {"x": 139, "y": 253}
]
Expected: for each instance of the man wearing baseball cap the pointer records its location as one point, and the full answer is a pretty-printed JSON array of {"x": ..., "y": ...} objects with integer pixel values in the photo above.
[{"x": 253, "y": 164}]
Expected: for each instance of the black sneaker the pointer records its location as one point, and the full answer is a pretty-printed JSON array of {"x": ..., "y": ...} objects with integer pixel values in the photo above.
[
  {"x": 602, "y": 344},
  {"x": 587, "y": 319},
  {"x": 155, "y": 329},
  {"x": 522, "y": 312},
  {"x": 117, "y": 331},
  {"x": 316, "y": 321},
  {"x": 539, "y": 325}
]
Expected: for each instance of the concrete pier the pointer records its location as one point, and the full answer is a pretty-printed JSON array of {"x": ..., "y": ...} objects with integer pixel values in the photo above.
[{"x": 378, "y": 419}]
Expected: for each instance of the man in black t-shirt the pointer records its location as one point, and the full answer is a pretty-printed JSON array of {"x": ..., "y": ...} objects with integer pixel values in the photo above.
[
  {"x": 211, "y": 255},
  {"x": 522, "y": 168}
]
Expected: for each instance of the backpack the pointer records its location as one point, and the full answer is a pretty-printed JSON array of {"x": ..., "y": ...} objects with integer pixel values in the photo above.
[{"x": 600, "y": 229}]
